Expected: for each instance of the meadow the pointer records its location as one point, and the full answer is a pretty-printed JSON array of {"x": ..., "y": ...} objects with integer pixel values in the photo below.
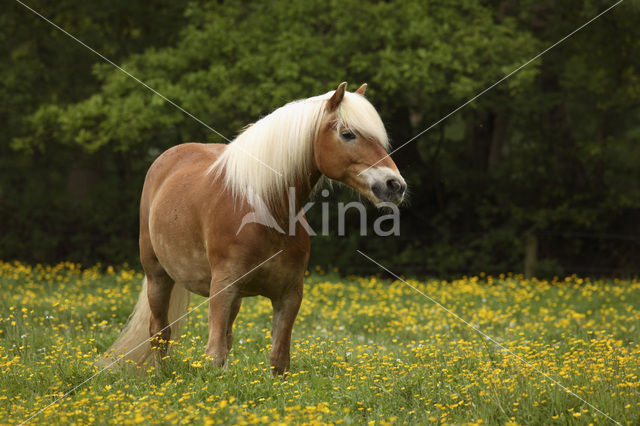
[{"x": 365, "y": 350}]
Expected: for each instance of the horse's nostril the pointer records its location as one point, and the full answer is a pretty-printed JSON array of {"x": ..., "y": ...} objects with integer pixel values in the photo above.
[{"x": 395, "y": 185}]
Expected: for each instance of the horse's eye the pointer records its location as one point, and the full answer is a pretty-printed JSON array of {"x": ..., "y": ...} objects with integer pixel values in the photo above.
[{"x": 348, "y": 135}]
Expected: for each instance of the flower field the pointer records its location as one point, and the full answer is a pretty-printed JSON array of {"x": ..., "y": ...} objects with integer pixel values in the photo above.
[{"x": 365, "y": 350}]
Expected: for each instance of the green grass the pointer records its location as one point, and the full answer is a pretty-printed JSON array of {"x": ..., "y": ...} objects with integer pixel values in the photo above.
[{"x": 364, "y": 350}]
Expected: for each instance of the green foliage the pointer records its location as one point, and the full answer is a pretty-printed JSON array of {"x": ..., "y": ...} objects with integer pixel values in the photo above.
[{"x": 553, "y": 148}]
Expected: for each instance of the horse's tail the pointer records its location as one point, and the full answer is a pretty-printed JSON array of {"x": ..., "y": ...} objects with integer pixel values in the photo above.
[{"x": 133, "y": 343}]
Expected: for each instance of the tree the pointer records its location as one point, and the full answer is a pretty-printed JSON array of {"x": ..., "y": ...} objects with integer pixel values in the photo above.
[{"x": 552, "y": 149}]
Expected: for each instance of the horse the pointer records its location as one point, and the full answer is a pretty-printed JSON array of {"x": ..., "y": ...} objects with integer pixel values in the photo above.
[{"x": 195, "y": 197}]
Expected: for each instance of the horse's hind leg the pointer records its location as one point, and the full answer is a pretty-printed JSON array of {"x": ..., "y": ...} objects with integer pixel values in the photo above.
[{"x": 159, "y": 286}]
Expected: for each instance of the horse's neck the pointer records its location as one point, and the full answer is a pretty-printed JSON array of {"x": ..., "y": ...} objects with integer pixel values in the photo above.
[
  {"x": 303, "y": 190},
  {"x": 295, "y": 197}
]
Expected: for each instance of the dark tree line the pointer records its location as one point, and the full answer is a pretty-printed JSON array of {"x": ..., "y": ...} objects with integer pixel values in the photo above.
[{"x": 546, "y": 163}]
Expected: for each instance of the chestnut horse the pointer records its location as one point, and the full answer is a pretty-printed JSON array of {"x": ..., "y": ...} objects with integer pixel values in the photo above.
[{"x": 195, "y": 196}]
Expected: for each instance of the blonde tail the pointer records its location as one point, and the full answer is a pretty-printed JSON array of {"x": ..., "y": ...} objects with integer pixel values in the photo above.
[{"x": 133, "y": 343}]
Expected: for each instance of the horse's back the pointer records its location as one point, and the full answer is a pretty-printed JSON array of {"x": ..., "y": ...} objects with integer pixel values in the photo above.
[{"x": 184, "y": 158}]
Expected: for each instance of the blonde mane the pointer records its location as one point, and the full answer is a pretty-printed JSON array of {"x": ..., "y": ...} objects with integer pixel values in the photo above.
[{"x": 282, "y": 142}]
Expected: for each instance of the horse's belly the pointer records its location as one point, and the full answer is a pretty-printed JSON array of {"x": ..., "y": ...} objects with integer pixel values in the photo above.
[
  {"x": 186, "y": 267},
  {"x": 186, "y": 263},
  {"x": 193, "y": 273}
]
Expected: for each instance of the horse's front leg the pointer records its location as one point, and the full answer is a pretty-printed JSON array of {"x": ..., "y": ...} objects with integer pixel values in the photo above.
[
  {"x": 285, "y": 310},
  {"x": 222, "y": 307},
  {"x": 235, "y": 308}
]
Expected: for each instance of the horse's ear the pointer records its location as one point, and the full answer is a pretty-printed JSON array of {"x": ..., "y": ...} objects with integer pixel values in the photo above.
[
  {"x": 361, "y": 90},
  {"x": 337, "y": 96}
]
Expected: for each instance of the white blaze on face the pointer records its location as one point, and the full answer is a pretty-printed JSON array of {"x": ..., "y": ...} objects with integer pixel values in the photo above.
[{"x": 383, "y": 183}]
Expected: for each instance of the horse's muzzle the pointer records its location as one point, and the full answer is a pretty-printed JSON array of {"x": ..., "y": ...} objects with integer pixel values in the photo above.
[{"x": 391, "y": 190}]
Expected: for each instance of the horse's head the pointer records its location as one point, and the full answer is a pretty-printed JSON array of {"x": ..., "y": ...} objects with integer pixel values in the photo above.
[{"x": 351, "y": 148}]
